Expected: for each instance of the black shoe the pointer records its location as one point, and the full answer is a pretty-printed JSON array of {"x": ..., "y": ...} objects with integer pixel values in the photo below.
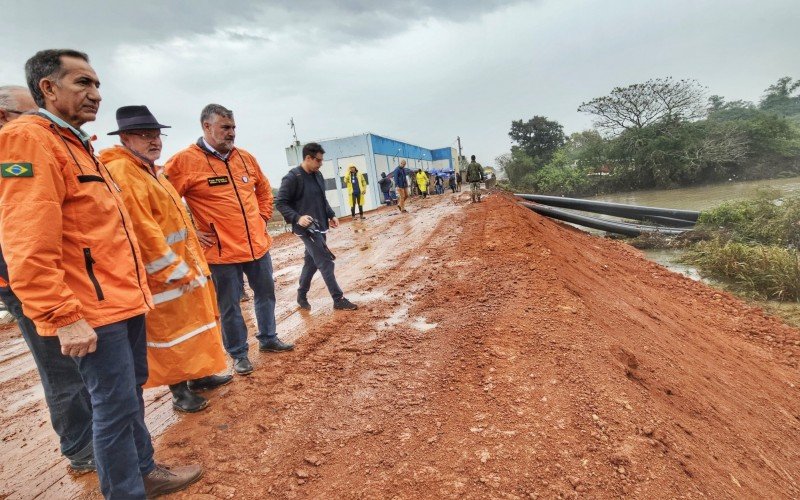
[
  {"x": 79, "y": 467},
  {"x": 243, "y": 366},
  {"x": 302, "y": 301},
  {"x": 210, "y": 382},
  {"x": 344, "y": 304},
  {"x": 185, "y": 400},
  {"x": 275, "y": 345}
]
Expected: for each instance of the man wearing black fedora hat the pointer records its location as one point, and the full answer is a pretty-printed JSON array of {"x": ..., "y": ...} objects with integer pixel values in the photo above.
[{"x": 184, "y": 344}]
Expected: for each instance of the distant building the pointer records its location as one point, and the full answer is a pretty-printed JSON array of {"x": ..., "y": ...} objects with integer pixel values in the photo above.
[{"x": 372, "y": 155}]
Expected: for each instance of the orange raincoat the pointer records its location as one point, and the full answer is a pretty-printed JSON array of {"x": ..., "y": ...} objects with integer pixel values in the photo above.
[
  {"x": 183, "y": 332},
  {"x": 230, "y": 198},
  {"x": 66, "y": 235}
]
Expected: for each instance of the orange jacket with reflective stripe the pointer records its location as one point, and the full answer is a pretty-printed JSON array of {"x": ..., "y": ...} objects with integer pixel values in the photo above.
[
  {"x": 230, "y": 198},
  {"x": 183, "y": 336},
  {"x": 66, "y": 236}
]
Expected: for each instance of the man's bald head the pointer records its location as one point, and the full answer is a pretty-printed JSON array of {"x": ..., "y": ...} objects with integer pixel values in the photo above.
[{"x": 14, "y": 101}]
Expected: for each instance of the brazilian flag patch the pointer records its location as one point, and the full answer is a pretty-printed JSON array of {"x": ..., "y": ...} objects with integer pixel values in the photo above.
[{"x": 16, "y": 169}]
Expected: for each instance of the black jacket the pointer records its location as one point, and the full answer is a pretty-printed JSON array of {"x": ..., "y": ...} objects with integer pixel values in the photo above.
[{"x": 292, "y": 202}]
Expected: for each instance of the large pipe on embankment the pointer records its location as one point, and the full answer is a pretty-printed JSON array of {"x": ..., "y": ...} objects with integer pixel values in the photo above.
[
  {"x": 667, "y": 216},
  {"x": 624, "y": 228}
]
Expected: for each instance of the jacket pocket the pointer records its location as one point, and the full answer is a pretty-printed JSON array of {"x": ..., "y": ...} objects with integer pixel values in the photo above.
[
  {"x": 87, "y": 257},
  {"x": 219, "y": 241}
]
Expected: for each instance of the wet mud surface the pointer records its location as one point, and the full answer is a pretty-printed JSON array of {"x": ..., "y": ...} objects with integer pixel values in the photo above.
[{"x": 495, "y": 354}]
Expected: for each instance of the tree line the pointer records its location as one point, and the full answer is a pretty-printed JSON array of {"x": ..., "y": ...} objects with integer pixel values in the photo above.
[{"x": 660, "y": 134}]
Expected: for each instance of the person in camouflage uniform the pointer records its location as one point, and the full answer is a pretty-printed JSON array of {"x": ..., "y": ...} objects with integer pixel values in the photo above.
[{"x": 475, "y": 177}]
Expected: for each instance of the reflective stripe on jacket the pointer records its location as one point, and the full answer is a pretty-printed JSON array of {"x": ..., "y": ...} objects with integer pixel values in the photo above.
[
  {"x": 66, "y": 236},
  {"x": 230, "y": 198},
  {"x": 183, "y": 333}
]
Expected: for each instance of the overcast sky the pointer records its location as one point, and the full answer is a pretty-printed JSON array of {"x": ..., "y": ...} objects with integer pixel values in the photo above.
[{"x": 422, "y": 72}]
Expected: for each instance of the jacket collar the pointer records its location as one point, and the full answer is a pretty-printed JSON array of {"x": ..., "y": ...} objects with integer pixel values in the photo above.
[
  {"x": 80, "y": 134},
  {"x": 202, "y": 144}
]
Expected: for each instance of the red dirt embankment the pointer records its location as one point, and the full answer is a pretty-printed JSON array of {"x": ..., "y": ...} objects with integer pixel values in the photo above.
[
  {"x": 559, "y": 364},
  {"x": 497, "y": 354}
]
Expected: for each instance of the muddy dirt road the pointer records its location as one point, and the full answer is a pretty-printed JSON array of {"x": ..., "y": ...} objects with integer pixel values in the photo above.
[{"x": 496, "y": 354}]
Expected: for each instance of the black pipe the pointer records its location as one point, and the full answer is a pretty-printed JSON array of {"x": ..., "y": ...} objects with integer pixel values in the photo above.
[
  {"x": 665, "y": 221},
  {"x": 624, "y": 228},
  {"x": 607, "y": 208}
]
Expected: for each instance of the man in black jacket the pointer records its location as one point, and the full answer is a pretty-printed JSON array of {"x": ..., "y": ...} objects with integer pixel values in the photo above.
[{"x": 301, "y": 199}]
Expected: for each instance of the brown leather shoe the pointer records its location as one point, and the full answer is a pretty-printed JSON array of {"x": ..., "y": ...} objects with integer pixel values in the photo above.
[{"x": 163, "y": 479}]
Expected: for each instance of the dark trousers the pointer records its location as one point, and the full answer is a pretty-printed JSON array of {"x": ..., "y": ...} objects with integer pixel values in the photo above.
[
  {"x": 228, "y": 282},
  {"x": 66, "y": 397},
  {"x": 114, "y": 375},
  {"x": 355, "y": 201},
  {"x": 387, "y": 197},
  {"x": 317, "y": 257}
]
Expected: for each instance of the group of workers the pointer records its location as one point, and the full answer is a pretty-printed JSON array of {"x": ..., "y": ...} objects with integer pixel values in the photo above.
[{"x": 116, "y": 285}]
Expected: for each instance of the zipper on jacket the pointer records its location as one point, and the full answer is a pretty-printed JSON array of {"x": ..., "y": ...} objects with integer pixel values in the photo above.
[
  {"x": 219, "y": 242},
  {"x": 241, "y": 205},
  {"x": 89, "y": 150},
  {"x": 87, "y": 257}
]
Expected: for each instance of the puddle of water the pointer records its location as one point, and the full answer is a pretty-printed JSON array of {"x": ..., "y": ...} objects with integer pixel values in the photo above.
[
  {"x": 669, "y": 259},
  {"x": 364, "y": 297},
  {"x": 287, "y": 270},
  {"x": 397, "y": 317},
  {"x": 422, "y": 324}
]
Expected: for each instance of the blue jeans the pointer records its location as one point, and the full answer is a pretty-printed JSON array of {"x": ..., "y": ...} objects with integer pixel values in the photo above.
[
  {"x": 228, "y": 282},
  {"x": 66, "y": 396},
  {"x": 114, "y": 375},
  {"x": 317, "y": 257}
]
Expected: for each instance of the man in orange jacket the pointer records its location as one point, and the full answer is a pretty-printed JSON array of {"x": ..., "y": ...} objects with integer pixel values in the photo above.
[
  {"x": 64, "y": 392},
  {"x": 231, "y": 202},
  {"x": 184, "y": 345},
  {"x": 74, "y": 263}
]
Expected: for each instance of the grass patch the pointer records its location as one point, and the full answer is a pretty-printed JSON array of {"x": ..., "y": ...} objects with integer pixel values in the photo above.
[{"x": 760, "y": 271}]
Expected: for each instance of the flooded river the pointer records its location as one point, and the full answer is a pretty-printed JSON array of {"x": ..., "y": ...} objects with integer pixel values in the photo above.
[{"x": 703, "y": 197}]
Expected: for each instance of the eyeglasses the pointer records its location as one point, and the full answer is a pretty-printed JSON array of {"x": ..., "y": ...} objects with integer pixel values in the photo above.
[
  {"x": 148, "y": 136},
  {"x": 319, "y": 159}
]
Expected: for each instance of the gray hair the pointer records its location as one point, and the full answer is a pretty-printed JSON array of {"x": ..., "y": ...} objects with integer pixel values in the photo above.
[
  {"x": 215, "y": 109},
  {"x": 7, "y": 99},
  {"x": 47, "y": 64}
]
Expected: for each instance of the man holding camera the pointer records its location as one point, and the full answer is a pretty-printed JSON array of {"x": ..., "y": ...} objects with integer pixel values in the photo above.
[{"x": 301, "y": 199}]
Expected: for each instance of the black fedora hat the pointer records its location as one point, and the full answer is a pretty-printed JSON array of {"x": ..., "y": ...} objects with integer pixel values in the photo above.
[{"x": 136, "y": 118}]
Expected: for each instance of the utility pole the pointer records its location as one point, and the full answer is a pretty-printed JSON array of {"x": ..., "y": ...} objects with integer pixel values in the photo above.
[
  {"x": 294, "y": 131},
  {"x": 458, "y": 138}
]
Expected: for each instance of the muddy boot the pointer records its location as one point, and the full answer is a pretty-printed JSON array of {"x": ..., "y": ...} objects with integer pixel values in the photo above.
[
  {"x": 163, "y": 479},
  {"x": 208, "y": 383},
  {"x": 302, "y": 301},
  {"x": 185, "y": 400}
]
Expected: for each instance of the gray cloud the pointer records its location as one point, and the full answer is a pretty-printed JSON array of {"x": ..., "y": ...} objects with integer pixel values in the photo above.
[{"x": 417, "y": 71}]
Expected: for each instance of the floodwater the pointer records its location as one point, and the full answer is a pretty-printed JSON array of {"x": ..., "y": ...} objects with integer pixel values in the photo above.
[
  {"x": 703, "y": 197},
  {"x": 697, "y": 198}
]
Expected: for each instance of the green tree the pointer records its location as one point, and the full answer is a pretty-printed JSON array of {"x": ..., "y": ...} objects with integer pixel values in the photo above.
[
  {"x": 516, "y": 165},
  {"x": 636, "y": 106},
  {"x": 538, "y": 138},
  {"x": 779, "y": 98}
]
